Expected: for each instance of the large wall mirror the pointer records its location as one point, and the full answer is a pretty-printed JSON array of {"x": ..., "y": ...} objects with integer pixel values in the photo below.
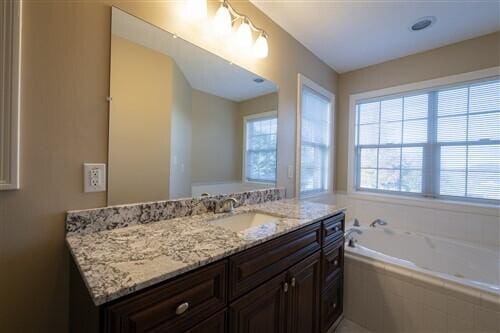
[{"x": 183, "y": 121}]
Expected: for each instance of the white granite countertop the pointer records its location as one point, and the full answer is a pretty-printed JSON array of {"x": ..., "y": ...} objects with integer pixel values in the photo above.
[{"x": 114, "y": 263}]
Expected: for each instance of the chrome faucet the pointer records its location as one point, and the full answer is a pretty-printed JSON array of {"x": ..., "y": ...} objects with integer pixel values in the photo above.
[
  {"x": 348, "y": 233},
  {"x": 379, "y": 222},
  {"x": 225, "y": 205}
]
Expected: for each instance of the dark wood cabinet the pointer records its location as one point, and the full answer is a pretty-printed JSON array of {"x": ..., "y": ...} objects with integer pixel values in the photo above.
[
  {"x": 261, "y": 310},
  {"x": 173, "y": 306},
  {"x": 333, "y": 228},
  {"x": 332, "y": 262},
  {"x": 291, "y": 284},
  {"x": 303, "y": 305},
  {"x": 331, "y": 304},
  {"x": 214, "y": 324},
  {"x": 254, "y": 266},
  {"x": 288, "y": 303}
]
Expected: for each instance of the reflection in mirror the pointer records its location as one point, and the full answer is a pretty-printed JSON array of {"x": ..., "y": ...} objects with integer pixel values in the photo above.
[{"x": 184, "y": 121}]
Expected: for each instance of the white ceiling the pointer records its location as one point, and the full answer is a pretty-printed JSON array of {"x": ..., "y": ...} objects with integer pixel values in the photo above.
[
  {"x": 348, "y": 35},
  {"x": 203, "y": 70}
]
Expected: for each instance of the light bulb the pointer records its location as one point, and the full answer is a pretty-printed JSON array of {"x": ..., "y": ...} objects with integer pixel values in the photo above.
[
  {"x": 222, "y": 21},
  {"x": 195, "y": 9},
  {"x": 244, "y": 35},
  {"x": 260, "y": 48}
]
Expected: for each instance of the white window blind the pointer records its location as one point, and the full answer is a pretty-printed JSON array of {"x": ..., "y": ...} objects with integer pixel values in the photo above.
[
  {"x": 315, "y": 141},
  {"x": 260, "y": 148},
  {"x": 443, "y": 142}
]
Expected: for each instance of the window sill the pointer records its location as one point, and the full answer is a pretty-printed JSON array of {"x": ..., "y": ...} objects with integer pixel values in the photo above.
[
  {"x": 316, "y": 195},
  {"x": 456, "y": 206}
]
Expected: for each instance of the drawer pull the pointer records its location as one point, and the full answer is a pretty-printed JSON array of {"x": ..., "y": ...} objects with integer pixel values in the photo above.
[
  {"x": 293, "y": 282},
  {"x": 182, "y": 308},
  {"x": 285, "y": 287},
  {"x": 334, "y": 305},
  {"x": 336, "y": 229},
  {"x": 336, "y": 263}
]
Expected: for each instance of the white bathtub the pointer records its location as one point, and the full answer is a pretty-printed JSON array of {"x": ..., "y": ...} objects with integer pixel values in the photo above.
[
  {"x": 398, "y": 281},
  {"x": 462, "y": 263}
]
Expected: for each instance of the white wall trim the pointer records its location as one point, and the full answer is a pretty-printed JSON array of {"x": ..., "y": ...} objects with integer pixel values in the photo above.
[
  {"x": 10, "y": 20},
  {"x": 245, "y": 119},
  {"x": 304, "y": 81},
  {"x": 422, "y": 85}
]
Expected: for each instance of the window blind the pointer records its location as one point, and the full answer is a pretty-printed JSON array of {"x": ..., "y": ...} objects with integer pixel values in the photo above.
[
  {"x": 444, "y": 142},
  {"x": 315, "y": 141},
  {"x": 260, "y": 149}
]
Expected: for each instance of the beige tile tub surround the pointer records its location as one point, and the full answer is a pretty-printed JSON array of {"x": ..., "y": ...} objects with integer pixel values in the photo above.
[
  {"x": 469, "y": 224},
  {"x": 385, "y": 298}
]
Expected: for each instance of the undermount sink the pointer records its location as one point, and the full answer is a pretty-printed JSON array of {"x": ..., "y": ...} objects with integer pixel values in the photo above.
[{"x": 244, "y": 221}]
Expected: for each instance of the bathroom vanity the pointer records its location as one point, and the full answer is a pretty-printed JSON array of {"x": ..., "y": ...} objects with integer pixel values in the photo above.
[
  {"x": 188, "y": 133},
  {"x": 284, "y": 277}
]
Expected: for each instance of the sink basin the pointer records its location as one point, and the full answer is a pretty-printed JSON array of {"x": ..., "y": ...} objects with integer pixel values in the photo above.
[{"x": 244, "y": 221}]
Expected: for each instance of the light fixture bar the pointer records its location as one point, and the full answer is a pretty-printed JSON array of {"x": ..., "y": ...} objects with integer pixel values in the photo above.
[{"x": 238, "y": 15}]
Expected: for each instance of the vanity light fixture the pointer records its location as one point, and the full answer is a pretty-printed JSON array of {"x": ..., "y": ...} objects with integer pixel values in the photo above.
[{"x": 224, "y": 19}]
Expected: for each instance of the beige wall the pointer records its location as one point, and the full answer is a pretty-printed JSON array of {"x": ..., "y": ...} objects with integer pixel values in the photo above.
[
  {"x": 64, "y": 123},
  {"x": 216, "y": 152},
  {"x": 139, "y": 123},
  {"x": 466, "y": 56}
]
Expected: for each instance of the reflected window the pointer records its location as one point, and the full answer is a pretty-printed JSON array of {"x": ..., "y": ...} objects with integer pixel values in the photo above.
[{"x": 260, "y": 147}]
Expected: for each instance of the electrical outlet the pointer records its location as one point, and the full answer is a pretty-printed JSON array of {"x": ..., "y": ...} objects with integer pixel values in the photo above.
[{"x": 94, "y": 177}]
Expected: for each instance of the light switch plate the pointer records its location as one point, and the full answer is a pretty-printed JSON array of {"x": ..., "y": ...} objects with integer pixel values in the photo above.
[
  {"x": 94, "y": 177},
  {"x": 290, "y": 171}
]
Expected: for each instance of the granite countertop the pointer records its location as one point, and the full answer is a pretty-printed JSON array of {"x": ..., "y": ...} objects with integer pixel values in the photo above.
[{"x": 117, "y": 262}]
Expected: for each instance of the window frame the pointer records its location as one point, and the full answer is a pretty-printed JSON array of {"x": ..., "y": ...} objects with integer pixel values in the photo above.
[
  {"x": 303, "y": 81},
  {"x": 10, "y": 106},
  {"x": 430, "y": 187},
  {"x": 266, "y": 115}
]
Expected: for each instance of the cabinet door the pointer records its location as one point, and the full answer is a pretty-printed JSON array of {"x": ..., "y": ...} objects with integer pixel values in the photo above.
[
  {"x": 214, "y": 324},
  {"x": 331, "y": 304},
  {"x": 261, "y": 310},
  {"x": 303, "y": 306}
]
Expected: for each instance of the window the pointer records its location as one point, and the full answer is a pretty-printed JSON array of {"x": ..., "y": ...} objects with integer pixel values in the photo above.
[
  {"x": 443, "y": 142},
  {"x": 260, "y": 147},
  {"x": 315, "y": 140}
]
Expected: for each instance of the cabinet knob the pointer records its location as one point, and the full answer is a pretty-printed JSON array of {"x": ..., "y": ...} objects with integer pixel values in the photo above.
[
  {"x": 285, "y": 287},
  {"x": 293, "y": 282},
  {"x": 334, "y": 305},
  {"x": 182, "y": 308},
  {"x": 336, "y": 229},
  {"x": 336, "y": 263}
]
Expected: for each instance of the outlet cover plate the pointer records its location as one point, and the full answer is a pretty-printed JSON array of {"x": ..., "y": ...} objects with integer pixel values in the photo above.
[{"x": 94, "y": 177}]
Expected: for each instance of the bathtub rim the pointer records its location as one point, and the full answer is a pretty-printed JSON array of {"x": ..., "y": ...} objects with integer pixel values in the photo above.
[{"x": 452, "y": 286}]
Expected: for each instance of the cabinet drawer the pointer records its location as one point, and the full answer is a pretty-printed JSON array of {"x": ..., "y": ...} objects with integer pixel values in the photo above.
[
  {"x": 332, "y": 262},
  {"x": 214, "y": 324},
  {"x": 331, "y": 304},
  {"x": 173, "y": 306},
  {"x": 256, "y": 265},
  {"x": 333, "y": 228}
]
